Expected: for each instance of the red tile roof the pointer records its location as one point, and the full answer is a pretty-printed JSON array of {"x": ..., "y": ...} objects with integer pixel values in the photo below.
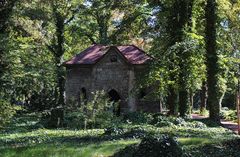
[{"x": 91, "y": 55}]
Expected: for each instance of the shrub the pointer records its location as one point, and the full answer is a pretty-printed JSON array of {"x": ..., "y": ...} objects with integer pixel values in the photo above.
[
  {"x": 138, "y": 117},
  {"x": 160, "y": 120},
  {"x": 53, "y": 118},
  {"x": 156, "y": 146},
  {"x": 136, "y": 133},
  {"x": 105, "y": 119},
  {"x": 6, "y": 111},
  {"x": 74, "y": 120},
  {"x": 229, "y": 114},
  {"x": 113, "y": 131},
  {"x": 163, "y": 121},
  {"x": 97, "y": 113}
]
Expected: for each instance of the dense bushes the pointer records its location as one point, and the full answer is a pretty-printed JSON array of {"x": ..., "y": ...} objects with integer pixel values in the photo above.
[
  {"x": 160, "y": 120},
  {"x": 153, "y": 146},
  {"x": 228, "y": 114},
  {"x": 97, "y": 113},
  {"x": 158, "y": 146},
  {"x": 103, "y": 117},
  {"x": 228, "y": 148},
  {"x": 6, "y": 112},
  {"x": 138, "y": 117}
]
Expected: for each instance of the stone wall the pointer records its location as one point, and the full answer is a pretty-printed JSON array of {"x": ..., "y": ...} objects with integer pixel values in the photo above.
[
  {"x": 108, "y": 75},
  {"x": 76, "y": 79},
  {"x": 110, "y": 72}
]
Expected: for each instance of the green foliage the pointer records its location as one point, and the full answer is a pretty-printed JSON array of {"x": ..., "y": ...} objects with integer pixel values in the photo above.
[
  {"x": 24, "y": 136},
  {"x": 74, "y": 120},
  {"x": 7, "y": 111},
  {"x": 230, "y": 115},
  {"x": 158, "y": 146},
  {"x": 160, "y": 120},
  {"x": 227, "y": 148},
  {"x": 137, "y": 117},
  {"x": 97, "y": 113}
]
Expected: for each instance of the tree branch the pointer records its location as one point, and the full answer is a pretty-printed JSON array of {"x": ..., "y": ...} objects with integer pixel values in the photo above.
[{"x": 73, "y": 16}]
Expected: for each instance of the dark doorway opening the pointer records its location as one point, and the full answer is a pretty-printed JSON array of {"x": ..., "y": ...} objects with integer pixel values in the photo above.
[
  {"x": 84, "y": 93},
  {"x": 115, "y": 98}
]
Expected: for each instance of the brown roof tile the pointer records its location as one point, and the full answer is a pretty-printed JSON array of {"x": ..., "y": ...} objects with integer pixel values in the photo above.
[{"x": 91, "y": 55}]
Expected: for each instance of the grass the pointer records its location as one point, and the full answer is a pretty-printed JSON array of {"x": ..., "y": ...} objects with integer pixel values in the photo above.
[
  {"x": 22, "y": 138},
  {"x": 195, "y": 141},
  {"x": 25, "y": 138},
  {"x": 65, "y": 150}
]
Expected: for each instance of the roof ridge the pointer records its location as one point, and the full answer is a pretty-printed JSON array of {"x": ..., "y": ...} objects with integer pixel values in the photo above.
[{"x": 96, "y": 51}]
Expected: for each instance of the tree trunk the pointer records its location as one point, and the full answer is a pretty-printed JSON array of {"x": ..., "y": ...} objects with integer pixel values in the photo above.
[
  {"x": 184, "y": 108},
  {"x": 212, "y": 61},
  {"x": 203, "y": 95},
  {"x": 102, "y": 21},
  {"x": 184, "y": 9},
  {"x": 191, "y": 101},
  {"x": 58, "y": 54},
  {"x": 172, "y": 101},
  {"x": 160, "y": 104}
]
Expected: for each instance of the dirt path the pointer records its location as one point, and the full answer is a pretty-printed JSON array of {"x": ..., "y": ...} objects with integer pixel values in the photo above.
[
  {"x": 227, "y": 124},
  {"x": 230, "y": 125}
]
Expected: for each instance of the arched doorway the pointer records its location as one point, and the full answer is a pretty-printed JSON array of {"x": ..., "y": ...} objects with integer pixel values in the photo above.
[{"x": 115, "y": 98}]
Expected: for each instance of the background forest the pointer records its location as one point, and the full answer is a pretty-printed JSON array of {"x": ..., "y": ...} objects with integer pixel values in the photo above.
[{"x": 195, "y": 45}]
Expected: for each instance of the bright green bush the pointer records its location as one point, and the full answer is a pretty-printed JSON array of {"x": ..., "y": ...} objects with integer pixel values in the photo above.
[
  {"x": 6, "y": 111},
  {"x": 230, "y": 115},
  {"x": 160, "y": 120}
]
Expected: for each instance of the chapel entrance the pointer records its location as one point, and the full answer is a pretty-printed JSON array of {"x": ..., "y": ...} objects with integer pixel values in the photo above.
[{"x": 115, "y": 98}]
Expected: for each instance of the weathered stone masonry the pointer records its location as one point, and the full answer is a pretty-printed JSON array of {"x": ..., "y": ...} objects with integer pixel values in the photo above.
[{"x": 106, "y": 68}]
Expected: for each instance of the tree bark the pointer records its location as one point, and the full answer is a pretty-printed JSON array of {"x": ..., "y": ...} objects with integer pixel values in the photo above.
[
  {"x": 203, "y": 95},
  {"x": 57, "y": 48},
  {"x": 183, "y": 8},
  {"x": 212, "y": 61},
  {"x": 191, "y": 101},
  {"x": 172, "y": 101}
]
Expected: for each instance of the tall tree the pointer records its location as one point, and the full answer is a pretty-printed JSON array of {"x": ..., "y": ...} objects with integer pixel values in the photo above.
[
  {"x": 179, "y": 22},
  {"x": 178, "y": 47},
  {"x": 212, "y": 61},
  {"x": 6, "y": 7},
  {"x": 185, "y": 24},
  {"x": 110, "y": 22},
  {"x": 57, "y": 49},
  {"x": 56, "y": 14}
]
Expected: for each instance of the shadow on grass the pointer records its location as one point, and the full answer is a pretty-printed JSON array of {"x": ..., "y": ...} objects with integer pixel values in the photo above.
[
  {"x": 228, "y": 148},
  {"x": 207, "y": 121}
]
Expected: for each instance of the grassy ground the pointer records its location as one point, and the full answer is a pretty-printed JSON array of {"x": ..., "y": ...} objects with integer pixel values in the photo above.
[
  {"x": 25, "y": 138},
  {"x": 68, "y": 150}
]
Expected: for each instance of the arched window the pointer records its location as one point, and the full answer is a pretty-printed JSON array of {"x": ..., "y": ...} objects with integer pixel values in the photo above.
[
  {"x": 142, "y": 93},
  {"x": 115, "y": 98},
  {"x": 113, "y": 95},
  {"x": 84, "y": 93}
]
